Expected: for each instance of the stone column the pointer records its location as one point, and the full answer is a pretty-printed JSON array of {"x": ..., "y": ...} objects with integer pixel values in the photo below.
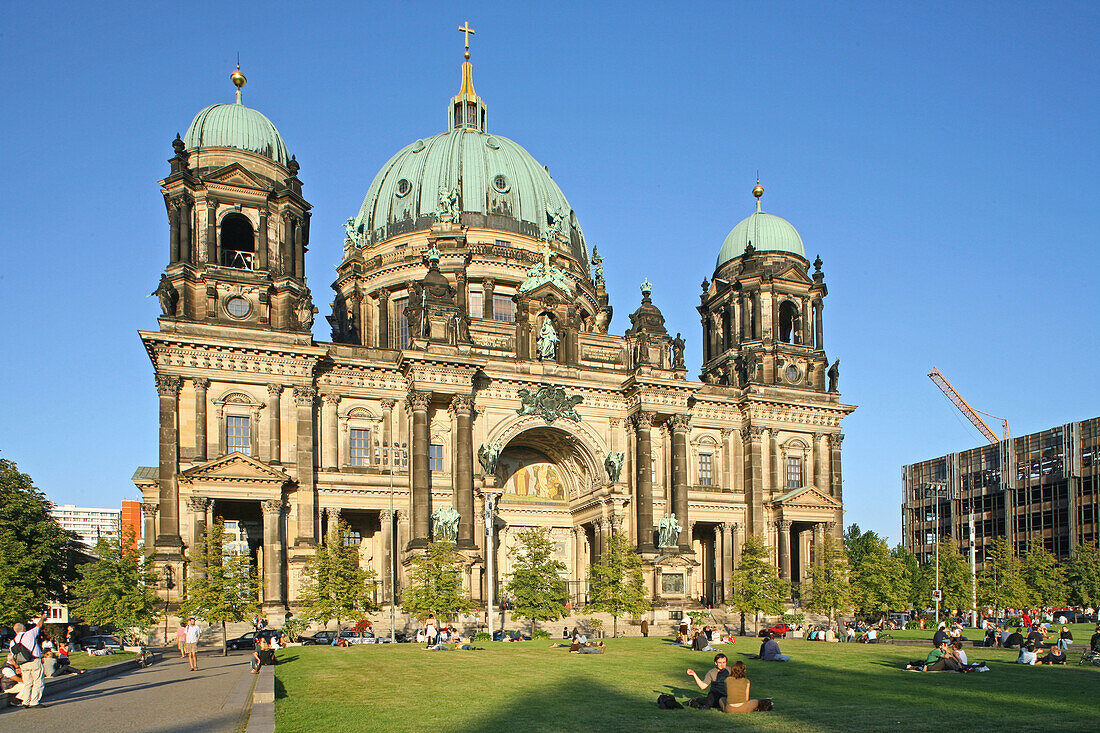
[
  {"x": 274, "y": 557},
  {"x": 819, "y": 541},
  {"x": 679, "y": 425},
  {"x": 383, "y": 296},
  {"x": 211, "y": 232},
  {"x": 755, "y": 488},
  {"x": 174, "y": 231},
  {"x": 643, "y": 422},
  {"x": 464, "y": 469},
  {"x": 304, "y": 397},
  {"x": 404, "y": 532},
  {"x": 598, "y": 535},
  {"x": 784, "y": 526},
  {"x": 578, "y": 555},
  {"x": 201, "y": 384},
  {"x": 149, "y": 514},
  {"x": 198, "y": 506},
  {"x": 818, "y": 457},
  {"x": 333, "y": 517},
  {"x": 729, "y": 537},
  {"x": 487, "y": 286},
  {"x": 806, "y": 332},
  {"x": 737, "y": 539},
  {"x": 275, "y": 423},
  {"x": 261, "y": 242},
  {"x": 330, "y": 451},
  {"x": 387, "y": 421},
  {"x": 299, "y": 250},
  {"x": 168, "y": 387},
  {"x": 721, "y": 543},
  {"x": 820, "y": 342},
  {"x": 835, "y": 486},
  {"x": 418, "y": 405}
]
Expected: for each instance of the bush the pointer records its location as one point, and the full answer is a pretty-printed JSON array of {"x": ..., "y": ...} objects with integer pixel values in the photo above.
[
  {"x": 540, "y": 634},
  {"x": 482, "y": 636}
]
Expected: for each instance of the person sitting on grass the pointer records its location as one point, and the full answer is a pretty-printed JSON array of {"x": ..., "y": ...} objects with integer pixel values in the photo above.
[
  {"x": 1065, "y": 638},
  {"x": 737, "y": 692},
  {"x": 700, "y": 643},
  {"x": 992, "y": 638},
  {"x": 1094, "y": 642},
  {"x": 1015, "y": 640},
  {"x": 264, "y": 655},
  {"x": 769, "y": 650},
  {"x": 958, "y": 653},
  {"x": 1036, "y": 636},
  {"x": 592, "y": 647},
  {"x": 715, "y": 680},
  {"x": 1027, "y": 654},
  {"x": 941, "y": 659},
  {"x": 1056, "y": 655}
]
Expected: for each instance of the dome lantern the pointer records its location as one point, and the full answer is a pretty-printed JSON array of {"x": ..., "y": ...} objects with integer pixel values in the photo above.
[{"x": 467, "y": 110}]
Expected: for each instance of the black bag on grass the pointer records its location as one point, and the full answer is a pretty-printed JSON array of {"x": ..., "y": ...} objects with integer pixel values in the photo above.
[
  {"x": 699, "y": 703},
  {"x": 668, "y": 702}
]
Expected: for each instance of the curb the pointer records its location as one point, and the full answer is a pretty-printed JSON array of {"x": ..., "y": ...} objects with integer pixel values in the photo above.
[{"x": 262, "y": 717}]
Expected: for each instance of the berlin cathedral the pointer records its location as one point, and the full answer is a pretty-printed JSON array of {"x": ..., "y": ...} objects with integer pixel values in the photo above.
[{"x": 473, "y": 377}]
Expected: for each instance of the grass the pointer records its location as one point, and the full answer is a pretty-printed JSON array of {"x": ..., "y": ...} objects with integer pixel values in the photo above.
[
  {"x": 81, "y": 660},
  {"x": 528, "y": 687}
]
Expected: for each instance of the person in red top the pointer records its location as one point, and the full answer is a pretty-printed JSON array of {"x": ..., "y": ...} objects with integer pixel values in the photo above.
[{"x": 181, "y": 637}]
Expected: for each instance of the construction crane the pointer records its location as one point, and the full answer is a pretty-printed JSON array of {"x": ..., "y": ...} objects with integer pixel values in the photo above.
[{"x": 971, "y": 414}]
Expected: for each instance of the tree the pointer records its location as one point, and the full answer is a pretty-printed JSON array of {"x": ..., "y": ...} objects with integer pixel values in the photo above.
[
  {"x": 537, "y": 588},
  {"x": 222, "y": 587},
  {"x": 857, "y": 544},
  {"x": 435, "y": 583},
  {"x": 917, "y": 587},
  {"x": 1045, "y": 578},
  {"x": 1001, "y": 582},
  {"x": 334, "y": 586},
  {"x": 829, "y": 588},
  {"x": 34, "y": 563},
  {"x": 879, "y": 579},
  {"x": 615, "y": 582},
  {"x": 117, "y": 589},
  {"x": 954, "y": 575},
  {"x": 1083, "y": 574},
  {"x": 756, "y": 583}
]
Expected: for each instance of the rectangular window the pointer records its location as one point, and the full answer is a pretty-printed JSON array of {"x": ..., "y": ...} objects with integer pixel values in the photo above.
[
  {"x": 504, "y": 308},
  {"x": 794, "y": 472},
  {"x": 352, "y": 538},
  {"x": 475, "y": 300},
  {"x": 435, "y": 457},
  {"x": 705, "y": 476},
  {"x": 238, "y": 434},
  {"x": 360, "y": 447},
  {"x": 399, "y": 325}
]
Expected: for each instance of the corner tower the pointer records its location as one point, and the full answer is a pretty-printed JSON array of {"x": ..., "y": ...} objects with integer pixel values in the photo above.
[{"x": 239, "y": 228}]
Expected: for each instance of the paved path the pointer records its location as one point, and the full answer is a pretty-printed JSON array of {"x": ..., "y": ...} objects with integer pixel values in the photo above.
[{"x": 164, "y": 698}]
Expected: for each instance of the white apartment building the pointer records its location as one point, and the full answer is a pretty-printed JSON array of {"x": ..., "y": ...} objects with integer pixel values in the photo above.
[{"x": 89, "y": 524}]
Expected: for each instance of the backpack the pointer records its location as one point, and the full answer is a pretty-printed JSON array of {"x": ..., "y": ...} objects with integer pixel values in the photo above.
[
  {"x": 22, "y": 654},
  {"x": 699, "y": 703},
  {"x": 668, "y": 702}
]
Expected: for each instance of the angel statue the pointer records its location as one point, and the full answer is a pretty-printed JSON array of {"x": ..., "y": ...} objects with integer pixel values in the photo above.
[
  {"x": 489, "y": 456},
  {"x": 613, "y": 464},
  {"x": 448, "y": 204}
]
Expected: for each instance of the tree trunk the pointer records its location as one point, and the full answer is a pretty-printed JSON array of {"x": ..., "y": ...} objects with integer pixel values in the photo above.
[
  {"x": 225, "y": 644},
  {"x": 614, "y": 627}
]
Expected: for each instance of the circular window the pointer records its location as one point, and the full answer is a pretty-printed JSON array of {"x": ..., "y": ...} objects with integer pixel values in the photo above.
[
  {"x": 491, "y": 142},
  {"x": 500, "y": 183},
  {"x": 238, "y": 307},
  {"x": 418, "y": 146},
  {"x": 792, "y": 373},
  {"x": 403, "y": 187}
]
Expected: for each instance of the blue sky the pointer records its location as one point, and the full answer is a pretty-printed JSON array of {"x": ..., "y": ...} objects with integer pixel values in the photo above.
[{"x": 941, "y": 158}]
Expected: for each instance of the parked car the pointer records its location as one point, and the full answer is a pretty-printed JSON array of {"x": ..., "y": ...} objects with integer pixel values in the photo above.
[
  {"x": 352, "y": 636},
  {"x": 1072, "y": 617},
  {"x": 249, "y": 639},
  {"x": 101, "y": 642},
  {"x": 778, "y": 630},
  {"x": 321, "y": 638}
]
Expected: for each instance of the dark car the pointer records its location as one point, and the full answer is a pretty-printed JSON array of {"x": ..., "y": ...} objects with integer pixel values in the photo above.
[
  {"x": 250, "y": 639},
  {"x": 88, "y": 643},
  {"x": 321, "y": 638}
]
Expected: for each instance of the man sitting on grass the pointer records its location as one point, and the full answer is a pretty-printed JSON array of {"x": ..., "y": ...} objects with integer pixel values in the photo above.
[
  {"x": 769, "y": 651},
  {"x": 941, "y": 659},
  {"x": 715, "y": 679},
  {"x": 1055, "y": 656},
  {"x": 1027, "y": 654}
]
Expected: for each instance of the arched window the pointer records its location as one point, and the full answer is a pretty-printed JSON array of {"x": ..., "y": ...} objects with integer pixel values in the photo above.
[
  {"x": 238, "y": 241},
  {"x": 790, "y": 323}
]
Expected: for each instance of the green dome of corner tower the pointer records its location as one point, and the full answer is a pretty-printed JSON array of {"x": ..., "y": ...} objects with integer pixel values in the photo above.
[
  {"x": 236, "y": 126},
  {"x": 766, "y": 233}
]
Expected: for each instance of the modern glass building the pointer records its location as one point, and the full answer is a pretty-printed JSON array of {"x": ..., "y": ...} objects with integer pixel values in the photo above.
[{"x": 1043, "y": 487}]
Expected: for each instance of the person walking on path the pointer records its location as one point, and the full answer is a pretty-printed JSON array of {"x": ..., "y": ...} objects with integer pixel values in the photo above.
[
  {"x": 34, "y": 680},
  {"x": 181, "y": 638},
  {"x": 191, "y": 643},
  {"x": 645, "y": 627}
]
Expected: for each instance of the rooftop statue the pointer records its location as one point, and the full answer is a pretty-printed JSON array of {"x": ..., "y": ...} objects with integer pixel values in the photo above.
[
  {"x": 544, "y": 272},
  {"x": 352, "y": 236},
  {"x": 448, "y": 209}
]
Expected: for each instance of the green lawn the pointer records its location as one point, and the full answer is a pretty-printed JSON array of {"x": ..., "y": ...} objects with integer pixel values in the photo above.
[
  {"x": 529, "y": 687},
  {"x": 81, "y": 660}
]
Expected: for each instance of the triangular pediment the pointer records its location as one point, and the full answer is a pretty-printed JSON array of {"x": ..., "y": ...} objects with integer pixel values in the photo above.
[
  {"x": 234, "y": 174},
  {"x": 807, "y": 497},
  {"x": 795, "y": 273},
  {"x": 549, "y": 287},
  {"x": 234, "y": 467}
]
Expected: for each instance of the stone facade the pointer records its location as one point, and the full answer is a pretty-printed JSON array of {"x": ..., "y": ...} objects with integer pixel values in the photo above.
[{"x": 468, "y": 358}]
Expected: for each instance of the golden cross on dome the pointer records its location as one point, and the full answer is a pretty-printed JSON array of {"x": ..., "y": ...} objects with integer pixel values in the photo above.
[{"x": 465, "y": 28}]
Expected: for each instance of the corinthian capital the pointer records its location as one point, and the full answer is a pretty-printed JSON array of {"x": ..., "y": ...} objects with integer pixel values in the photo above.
[
  {"x": 679, "y": 423},
  {"x": 168, "y": 385},
  {"x": 198, "y": 503},
  {"x": 201, "y": 384},
  {"x": 643, "y": 419},
  {"x": 149, "y": 510},
  {"x": 461, "y": 404},
  {"x": 304, "y": 394},
  {"x": 783, "y": 524},
  {"x": 273, "y": 506},
  {"x": 330, "y": 399},
  {"x": 274, "y": 390},
  {"x": 417, "y": 400},
  {"x": 835, "y": 439}
]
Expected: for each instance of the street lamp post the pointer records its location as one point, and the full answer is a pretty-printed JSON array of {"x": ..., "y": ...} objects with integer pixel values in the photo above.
[
  {"x": 168, "y": 585},
  {"x": 392, "y": 457},
  {"x": 490, "y": 494},
  {"x": 937, "y": 489}
]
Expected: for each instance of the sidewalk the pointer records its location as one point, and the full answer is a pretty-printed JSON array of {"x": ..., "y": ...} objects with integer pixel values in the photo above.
[{"x": 166, "y": 697}]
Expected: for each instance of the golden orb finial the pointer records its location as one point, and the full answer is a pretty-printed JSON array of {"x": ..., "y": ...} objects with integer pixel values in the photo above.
[
  {"x": 758, "y": 190},
  {"x": 239, "y": 80}
]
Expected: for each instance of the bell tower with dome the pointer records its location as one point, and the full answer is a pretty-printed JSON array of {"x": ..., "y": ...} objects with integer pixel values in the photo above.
[{"x": 473, "y": 386}]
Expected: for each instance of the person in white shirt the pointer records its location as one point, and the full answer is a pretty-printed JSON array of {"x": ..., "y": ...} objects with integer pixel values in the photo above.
[
  {"x": 11, "y": 682},
  {"x": 34, "y": 680},
  {"x": 191, "y": 643}
]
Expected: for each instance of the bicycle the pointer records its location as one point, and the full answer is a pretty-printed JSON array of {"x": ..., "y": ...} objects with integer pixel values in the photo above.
[{"x": 1091, "y": 657}]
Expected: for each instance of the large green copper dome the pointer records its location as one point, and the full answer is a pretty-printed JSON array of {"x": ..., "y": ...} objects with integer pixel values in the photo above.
[
  {"x": 766, "y": 232},
  {"x": 236, "y": 126},
  {"x": 498, "y": 184}
]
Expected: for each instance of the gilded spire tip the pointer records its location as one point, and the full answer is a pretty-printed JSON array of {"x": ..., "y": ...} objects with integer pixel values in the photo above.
[{"x": 239, "y": 80}]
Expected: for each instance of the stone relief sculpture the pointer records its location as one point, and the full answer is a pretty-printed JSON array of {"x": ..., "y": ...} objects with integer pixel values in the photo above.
[
  {"x": 445, "y": 524},
  {"x": 448, "y": 209},
  {"x": 549, "y": 403},
  {"x": 613, "y": 464},
  {"x": 548, "y": 341},
  {"x": 169, "y": 297},
  {"x": 489, "y": 457},
  {"x": 668, "y": 531},
  {"x": 834, "y": 375}
]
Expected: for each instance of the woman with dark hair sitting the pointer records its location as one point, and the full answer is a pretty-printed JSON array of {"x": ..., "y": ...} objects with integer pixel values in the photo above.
[{"x": 737, "y": 692}]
